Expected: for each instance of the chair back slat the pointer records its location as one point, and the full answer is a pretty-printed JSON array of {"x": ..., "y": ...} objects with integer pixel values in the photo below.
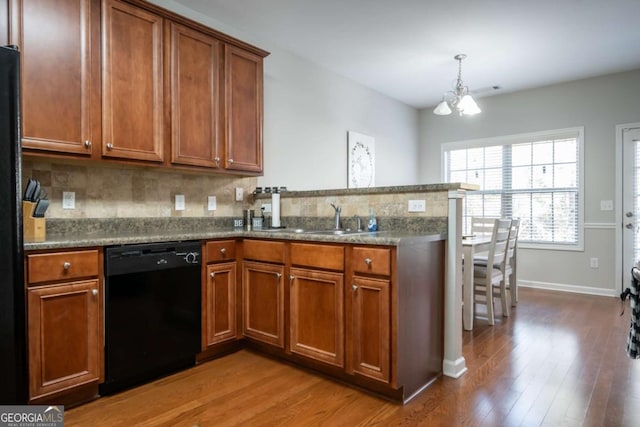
[
  {"x": 482, "y": 225},
  {"x": 513, "y": 239}
]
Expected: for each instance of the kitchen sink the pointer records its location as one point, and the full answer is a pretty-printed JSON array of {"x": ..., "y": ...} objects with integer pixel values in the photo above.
[
  {"x": 281, "y": 230},
  {"x": 323, "y": 232},
  {"x": 334, "y": 232}
]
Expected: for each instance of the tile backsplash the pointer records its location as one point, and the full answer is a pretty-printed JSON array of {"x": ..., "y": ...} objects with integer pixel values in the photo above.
[
  {"x": 110, "y": 191},
  {"x": 115, "y": 191}
]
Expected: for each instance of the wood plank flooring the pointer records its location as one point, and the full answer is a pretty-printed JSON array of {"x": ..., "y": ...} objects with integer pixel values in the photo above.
[{"x": 559, "y": 360}]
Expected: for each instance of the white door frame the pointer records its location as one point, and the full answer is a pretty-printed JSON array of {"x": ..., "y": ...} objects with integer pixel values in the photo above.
[{"x": 621, "y": 279}]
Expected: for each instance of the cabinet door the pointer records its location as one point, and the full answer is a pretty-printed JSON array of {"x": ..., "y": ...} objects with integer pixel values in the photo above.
[
  {"x": 370, "y": 322},
  {"x": 220, "y": 297},
  {"x": 132, "y": 85},
  {"x": 195, "y": 100},
  {"x": 244, "y": 106},
  {"x": 263, "y": 302},
  {"x": 59, "y": 89},
  {"x": 317, "y": 316},
  {"x": 64, "y": 347}
]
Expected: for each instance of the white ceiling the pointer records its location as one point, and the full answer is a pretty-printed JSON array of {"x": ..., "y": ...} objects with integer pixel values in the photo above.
[{"x": 405, "y": 48}]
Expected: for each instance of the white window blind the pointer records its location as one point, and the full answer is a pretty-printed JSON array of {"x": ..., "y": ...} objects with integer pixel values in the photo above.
[{"x": 534, "y": 177}]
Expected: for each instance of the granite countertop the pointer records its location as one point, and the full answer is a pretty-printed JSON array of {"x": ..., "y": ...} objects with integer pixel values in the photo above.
[{"x": 81, "y": 239}]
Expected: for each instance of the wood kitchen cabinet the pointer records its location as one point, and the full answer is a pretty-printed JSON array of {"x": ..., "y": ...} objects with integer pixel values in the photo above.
[
  {"x": 220, "y": 294},
  {"x": 64, "y": 317},
  {"x": 316, "y": 302},
  {"x": 243, "y": 110},
  {"x": 370, "y": 323},
  {"x": 128, "y": 81},
  {"x": 132, "y": 82},
  {"x": 59, "y": 44},
  {"x": 196, "y": 68},
  {"x": 263, "y": 291},
  {"x": 369, "y": 313}
]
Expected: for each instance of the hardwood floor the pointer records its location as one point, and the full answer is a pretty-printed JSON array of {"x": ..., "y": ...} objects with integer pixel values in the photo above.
[{"x": 559, "y": 360}]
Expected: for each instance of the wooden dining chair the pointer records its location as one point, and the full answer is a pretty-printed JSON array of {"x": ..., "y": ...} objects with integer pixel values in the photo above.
[
  {"x": 488, "y": 272},
  {"x": 510, "y": 276}
]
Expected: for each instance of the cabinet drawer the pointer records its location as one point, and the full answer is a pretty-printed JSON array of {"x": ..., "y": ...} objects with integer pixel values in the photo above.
[
  {"x": 371, "y": 260},
  {"x": 319, "y": 256},
  {"x": 262, "y": 250},
  {"x": 221, "y": 250},
  {"x": 62, "y": 266}
]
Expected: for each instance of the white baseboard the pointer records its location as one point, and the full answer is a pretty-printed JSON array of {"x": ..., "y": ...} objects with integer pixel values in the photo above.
[{"x": 562, "y": 287}]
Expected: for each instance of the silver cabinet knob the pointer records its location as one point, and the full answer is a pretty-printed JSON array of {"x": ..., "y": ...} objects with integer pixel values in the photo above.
[
  {"x": 278, "y": 276},
  {"x": 94, "y": 292},
  {"x": 629, "y": 226},
  {"x": 66, "y": 265},
  {"x": 217, "y": 159},
  {"x": 223, "y": 251},
  {"x": 109, "y": 146},
  {"x": 212, "y": 274},
  {"x": 87, "y": 144},
  {"x": 629, "y": 214},
  {"x": 230, "y": 161},
  {"x": 354, "y": 287},
  {"x": 368, "y": 261}
]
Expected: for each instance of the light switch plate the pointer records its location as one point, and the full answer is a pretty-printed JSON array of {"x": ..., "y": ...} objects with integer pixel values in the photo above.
[
  {"x": 417, "y": 205},
  {"x": 179, "y": 202},
  {"x": 266, "y": 207},
  {"x": 68, "y": 200},
  {"x": 239, "y": 194},
  {"x": 211, "y": 203},
  {"x": 606, "y": 205}
]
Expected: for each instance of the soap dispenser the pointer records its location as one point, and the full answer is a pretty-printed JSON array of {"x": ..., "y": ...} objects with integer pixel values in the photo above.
[{"x": 373, "y": 225}]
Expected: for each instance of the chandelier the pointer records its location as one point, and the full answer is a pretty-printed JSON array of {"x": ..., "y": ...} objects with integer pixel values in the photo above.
[{"x": 458, "y": 98}]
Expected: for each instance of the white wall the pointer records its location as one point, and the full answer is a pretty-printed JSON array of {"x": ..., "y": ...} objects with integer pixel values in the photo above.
[
  {"x": 307, "y": 113},
  {"x": 598, "y": 104}
]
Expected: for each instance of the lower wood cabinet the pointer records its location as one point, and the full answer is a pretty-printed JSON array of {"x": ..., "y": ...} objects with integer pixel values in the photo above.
[
  {"x": 64, "y": 319},
  {"x": 263, "y": 302},
  {"x": 316, "y": 315},
  {"x": 370, "y": 322},
  {"x": 220, "y": 303},
  {"x": 64, "y": 337}
]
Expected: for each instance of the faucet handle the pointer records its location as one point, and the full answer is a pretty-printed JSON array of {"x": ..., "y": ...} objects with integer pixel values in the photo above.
[{"x": 338, "y": 209}]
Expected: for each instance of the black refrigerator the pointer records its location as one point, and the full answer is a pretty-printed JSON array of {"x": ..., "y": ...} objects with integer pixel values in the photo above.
[{"x": 13, "y": 359}]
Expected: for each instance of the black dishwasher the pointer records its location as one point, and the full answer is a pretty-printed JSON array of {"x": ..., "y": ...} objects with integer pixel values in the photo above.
[{"x": 152, "y": 311}]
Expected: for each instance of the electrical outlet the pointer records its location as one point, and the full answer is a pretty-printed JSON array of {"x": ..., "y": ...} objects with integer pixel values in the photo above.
[
  {"x": 266, "y": 207},
  {"x": 593, "y": 262},
  {"x": 68, "y": 200},
  {"x": 239, "y": 194},
  {"x": 179, "y": 202},
  {"x": 211, "y": 203},
  {"x": 606, "y": 205},
  {"x": 417, "y": 205}
]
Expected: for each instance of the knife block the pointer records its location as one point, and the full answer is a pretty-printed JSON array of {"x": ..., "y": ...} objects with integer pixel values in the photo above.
[{"x": 34, "y": 229}]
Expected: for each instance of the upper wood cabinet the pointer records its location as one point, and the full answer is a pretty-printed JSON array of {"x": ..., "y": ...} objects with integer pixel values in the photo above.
[
  {"x": 125, "y": 80},
  {"x": 243, "y": 106},
  {"x": 59, "y": 48},
  {"x": 132, "y": 82},
  {"x": 195, "y": 101}
]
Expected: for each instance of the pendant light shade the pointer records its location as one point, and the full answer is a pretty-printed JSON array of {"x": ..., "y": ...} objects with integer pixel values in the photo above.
[{"x": 459, "y": 98}]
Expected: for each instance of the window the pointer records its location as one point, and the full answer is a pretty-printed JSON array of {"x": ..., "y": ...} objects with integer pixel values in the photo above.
[{"x": 534, "y": 177}]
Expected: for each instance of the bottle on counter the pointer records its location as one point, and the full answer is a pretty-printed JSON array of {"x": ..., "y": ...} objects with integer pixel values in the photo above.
[{"x": 373, "y": 224}]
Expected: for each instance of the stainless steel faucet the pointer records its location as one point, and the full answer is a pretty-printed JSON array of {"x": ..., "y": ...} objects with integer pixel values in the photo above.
[
  {"x": 336, "y": 219},
  {"x": 358, "y": 222}
]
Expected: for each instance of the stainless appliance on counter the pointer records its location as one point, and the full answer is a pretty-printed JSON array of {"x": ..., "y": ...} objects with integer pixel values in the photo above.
[{"x": 152, "y": 311}]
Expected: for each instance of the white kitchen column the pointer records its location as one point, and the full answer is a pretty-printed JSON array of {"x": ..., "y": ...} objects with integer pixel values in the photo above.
[{"x": 453, "y": 364}]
